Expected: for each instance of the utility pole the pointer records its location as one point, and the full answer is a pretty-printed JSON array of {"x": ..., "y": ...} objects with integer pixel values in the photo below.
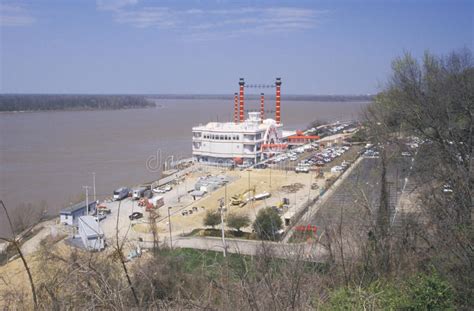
[
  {"x": 221, "y": 209},
  {"x": 93, "y": 185},
  {"x": 270, "y": 177},
  {"x": 87, "y": 198},
  {"x": 169, "y": 226},
  {"x": 249, "y": 177},
  {"x": 251, "y": 192},
  {"x": 177, "y": 187}
]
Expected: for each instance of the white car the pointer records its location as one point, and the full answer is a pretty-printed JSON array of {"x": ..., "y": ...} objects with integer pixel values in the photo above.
[
  {"x": 162, "y": 189},
  {"x": 302, "y": 169},
  {"x": 447, "y": 189}
]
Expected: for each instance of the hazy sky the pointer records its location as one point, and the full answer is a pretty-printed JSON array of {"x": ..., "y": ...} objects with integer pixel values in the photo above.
[{"x": 142, "y": 46}]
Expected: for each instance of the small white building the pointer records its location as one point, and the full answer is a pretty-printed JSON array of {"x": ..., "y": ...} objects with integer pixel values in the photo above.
[
  {"x": 91, "y": 234},
  {"x": 70, "y": 214},
  {"x": 229, "y": 143}
]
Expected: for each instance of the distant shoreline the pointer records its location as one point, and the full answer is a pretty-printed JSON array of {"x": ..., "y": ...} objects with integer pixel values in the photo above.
[
  {"x": 76, "y": 110},
  {"x": 35, "y": 103},
  {"x": 19, "y": 103}
]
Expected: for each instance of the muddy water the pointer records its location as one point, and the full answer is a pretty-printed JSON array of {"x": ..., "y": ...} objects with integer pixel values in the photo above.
[{"x": 49, "y": 156}]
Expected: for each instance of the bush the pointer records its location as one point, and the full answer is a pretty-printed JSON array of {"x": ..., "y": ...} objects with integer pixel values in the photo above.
[
  {"x": 212, "y": 219},
  {"x": 377, "y": 296},
  {"x": 430, "y": 292},
  {"x": 267, "y": 224},
  {"x": 422, "y": 292},
  {"x": 236, "y": 221}
]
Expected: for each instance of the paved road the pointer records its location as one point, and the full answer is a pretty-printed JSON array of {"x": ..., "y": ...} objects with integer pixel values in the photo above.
[{"x": 305, "y": 251}]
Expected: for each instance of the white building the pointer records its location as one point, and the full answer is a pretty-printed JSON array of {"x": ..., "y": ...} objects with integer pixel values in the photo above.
[
  {"x": 91, "y": 234},
  {"x": 231, "y": 143},
  {"x": 71, "y": 214}
]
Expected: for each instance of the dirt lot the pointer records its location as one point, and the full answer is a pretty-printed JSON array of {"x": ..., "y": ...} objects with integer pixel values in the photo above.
[{"x": 245, "y": 180}]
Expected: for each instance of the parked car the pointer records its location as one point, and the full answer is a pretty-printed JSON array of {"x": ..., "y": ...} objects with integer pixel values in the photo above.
[
  {"x": 121, "y": 193},
  {"x": 135, "y": 215},
  {"x": 101, "y": 217},
  {"x": 138, "y": 193},
  {"x": 158, "y": 190},
  {"x": 447, "y": 189},
  {"x": 163, "y": 189},
  {"x": 302, "y": 169},
  {"x": 148, "y": 194}
]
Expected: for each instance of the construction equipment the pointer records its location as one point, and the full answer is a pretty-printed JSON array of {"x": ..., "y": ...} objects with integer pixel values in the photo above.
[
  {"x": 240, "y": 200},
  {"x": 283, "y": 203}
]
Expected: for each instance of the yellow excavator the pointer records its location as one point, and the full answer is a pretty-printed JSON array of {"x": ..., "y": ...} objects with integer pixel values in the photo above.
[{"x": 240, "y": 200}]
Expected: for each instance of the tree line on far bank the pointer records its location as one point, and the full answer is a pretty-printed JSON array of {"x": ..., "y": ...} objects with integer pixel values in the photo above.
[{"x": 40, "y": 102}]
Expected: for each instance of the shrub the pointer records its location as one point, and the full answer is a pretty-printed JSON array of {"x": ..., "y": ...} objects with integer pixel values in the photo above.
[
  {"x": 430, "y": 292},
  {"x": 377, "y": 296},
  {"x": 422, "y": 292}
]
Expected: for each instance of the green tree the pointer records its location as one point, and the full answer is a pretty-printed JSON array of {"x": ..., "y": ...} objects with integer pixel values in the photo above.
[
  {"x": 212, "y": 219},
  {"x": 267, "y": 224},
  {"x": 237, "y": 221}
]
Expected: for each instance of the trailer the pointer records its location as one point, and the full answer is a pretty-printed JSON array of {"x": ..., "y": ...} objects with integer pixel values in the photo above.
[
  {"x": 138, "y": 193},
  {"x": 261, "y": 196},
  {"x": 157, "y": 202}
]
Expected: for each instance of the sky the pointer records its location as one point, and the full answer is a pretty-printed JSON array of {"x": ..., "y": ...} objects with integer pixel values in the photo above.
[{"x": 204, "y": 47}]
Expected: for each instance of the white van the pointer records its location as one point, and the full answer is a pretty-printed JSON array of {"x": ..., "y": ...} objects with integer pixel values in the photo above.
[{"x": 121, "y": 193}]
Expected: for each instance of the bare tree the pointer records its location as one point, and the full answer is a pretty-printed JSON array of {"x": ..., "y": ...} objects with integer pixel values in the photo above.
[
  {"x": 430, "y": 104},
  {"x": 14, "y": 241},
  {"x": 119, "y": 252}
]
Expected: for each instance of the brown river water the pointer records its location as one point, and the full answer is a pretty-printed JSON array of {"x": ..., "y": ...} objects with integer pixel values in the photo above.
[{"x": 49, "y": 156}]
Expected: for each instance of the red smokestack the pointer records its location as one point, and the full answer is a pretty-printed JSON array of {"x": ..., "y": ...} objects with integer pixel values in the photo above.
[
  {"x": 236, "y": 108},
  {"x": 241, "y": 98},
  {"x": 277, "y": 110},
  {"x": 262, "y": 107}
]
